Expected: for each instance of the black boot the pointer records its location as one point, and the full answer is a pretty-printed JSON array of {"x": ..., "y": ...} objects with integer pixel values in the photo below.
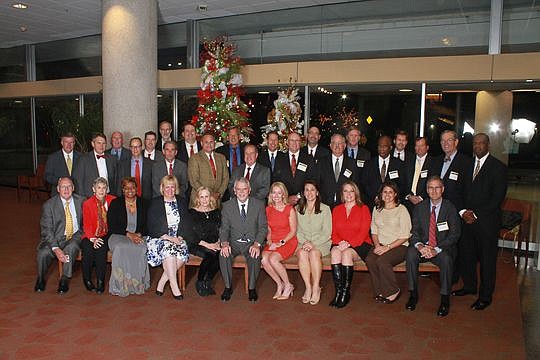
[
  {"x": 100, "y": 286},
  {"x": 337, "y": 275},
  {"x": 346, "y": 292}
]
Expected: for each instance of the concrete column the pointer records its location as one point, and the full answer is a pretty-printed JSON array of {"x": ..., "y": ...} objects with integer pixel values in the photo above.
[
  {"x": 493, "y": 117},
  {"x": 129, "y": 63}
]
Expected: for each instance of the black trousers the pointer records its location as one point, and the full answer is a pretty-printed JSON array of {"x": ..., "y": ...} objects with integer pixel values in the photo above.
[
  {"x": 91, "y": 256},
  {"x": 210, "y": 263}
]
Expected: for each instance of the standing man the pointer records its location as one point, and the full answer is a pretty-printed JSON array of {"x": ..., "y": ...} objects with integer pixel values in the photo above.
[
  {"x": 354, "y": 150},
  {"x": 294, "y": 169},
  {"x": 269, "y": 156},
  {"x": 258, "y": 175},
  {"x": 62, "y": 162},
  {"x": 312, "y": 147},
  {"x": 165, "y": 130},
  {"x": 341, "y": 167},
  {"x": 418, "y": 174},
  {"x": 208, "y": 168},
  {"x": 233, "y": 150},
  {"x": 401, "y": 139},
  {"x": 96, "y": 163},
  {"x": 170, "y": 165},
  {"x": 61, "y": 230},
  {"x": 138, "y": 167},
  {"x": 150, "y": 152},
  {"x": 189, "y": 145},
  {"x": 485, "y": 190},
  {"x": 243, "y": 231},
  {"x": 118, "y": 150},
  {"x": 435, "y": 233}
]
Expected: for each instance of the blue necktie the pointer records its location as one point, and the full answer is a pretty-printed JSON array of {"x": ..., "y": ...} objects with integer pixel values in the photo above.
[{"x": 352, "y": 154}]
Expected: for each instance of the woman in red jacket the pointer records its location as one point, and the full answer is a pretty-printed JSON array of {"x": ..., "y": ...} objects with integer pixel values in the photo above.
[
  {"x": 94, "y": 241},
  {"x": 350, "y": 240}
]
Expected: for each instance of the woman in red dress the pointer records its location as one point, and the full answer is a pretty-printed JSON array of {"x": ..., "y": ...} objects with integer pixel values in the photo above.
[{"x": 281, "y": 239}]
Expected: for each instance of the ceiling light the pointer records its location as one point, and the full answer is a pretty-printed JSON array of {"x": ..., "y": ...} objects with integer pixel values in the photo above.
[
  {"x": 405, "y": 90},
  {"x": 179, "y": 64},
  {"x": 159, "y": 95},
  {"x": 344, "y": 96},
  {"x": 202, "y": 7},
  {"x": 169, "y": 64},
  {"x": 494, "y": 127},
  {"x": 263, "y": 92},
  {"x": 20, "y": 6},
  {"x": 17, "y": 101},
  {"x": 528, "y": 80}
]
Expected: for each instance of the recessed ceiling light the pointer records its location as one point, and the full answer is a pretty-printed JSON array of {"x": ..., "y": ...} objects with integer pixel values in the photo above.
[
  {"x": 17, "y": 101},
  {"x": 405, "y": 90},
  {"x": 20, "y": 6},
  {"x": 528, "y": 80},
  {"x": 263, "y": 92},
  {"x": 344, "y": 96}
]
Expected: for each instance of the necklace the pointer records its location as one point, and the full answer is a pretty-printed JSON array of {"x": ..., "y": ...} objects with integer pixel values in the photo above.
[{"x": 131, "y": 206}]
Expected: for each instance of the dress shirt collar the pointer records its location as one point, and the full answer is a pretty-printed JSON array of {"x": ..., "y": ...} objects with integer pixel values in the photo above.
[
  {"x": 66, "y": 154},
  {"x": 240, "y": 204}
]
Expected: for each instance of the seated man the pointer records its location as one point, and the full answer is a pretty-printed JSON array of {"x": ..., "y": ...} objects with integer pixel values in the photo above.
[
  {"x": 243, "y": 231},
  {"x": 435, "y": 232},
  {"x": 61, "y": 231}
]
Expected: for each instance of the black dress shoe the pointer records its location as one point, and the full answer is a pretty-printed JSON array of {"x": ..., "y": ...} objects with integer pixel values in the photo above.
[
  {"x": 201, "y": 289},
  {"x": 40, "y": 285},
  {"x": 63, "y": 285},
  {"x": 227, "y": 293},
  {"x": 252, "y": 295},
  {"x": 444, "y": 309},
  {"x": 159, "y": 293},
  {"x": 480, "y": 305},
  {"x": 411, "y": 303},
  {"x": 462, "y": 292},
  {"x": 89, "y": 285},
  {"x": 100, "y": 287},
  {"x": 178, "y": 297},
  {"x": 209, "y": 289},
  {"x": 379, "y": 298}
]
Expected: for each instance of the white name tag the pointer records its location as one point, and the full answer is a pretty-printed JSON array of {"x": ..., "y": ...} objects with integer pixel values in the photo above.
[
  {"x": 360, "y": 163},
  {"x": 393, "y": 174},
  {"x": 423, "y": 174},
  {"x": 453, "y": 175},
  {"x": 442, "y": 226},
  {"x": 301, "y": 167},
  {"x": 227, "y": 163},
  {"x": 347, "y": 173}
]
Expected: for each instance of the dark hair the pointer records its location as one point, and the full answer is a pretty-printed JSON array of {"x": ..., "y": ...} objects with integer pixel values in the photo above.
[
  {"x": 98, "y": 134},
  {"x": 302, "y": 203},
  {"x": 379, "y": 202},
  {"x": 401, "y": 132},
  {"x": 421, "y": 138},
  {"x": 149, "y": 133},
  {"x": 67, "y": 134},
  {"x": 127, "y": 180}
]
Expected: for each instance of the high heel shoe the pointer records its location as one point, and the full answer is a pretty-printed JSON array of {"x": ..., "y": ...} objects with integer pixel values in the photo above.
[
  {"x": 178, "y": 297},
  {"x": 315, "y": 296},
  {"x": 307, "y": 296},
  {"x": 159, "y": 293},
  {"x": 287, "y": 292},
  {"x": 278, "y": 293}
]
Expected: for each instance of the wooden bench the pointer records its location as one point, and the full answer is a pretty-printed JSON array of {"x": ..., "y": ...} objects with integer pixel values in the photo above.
[{"x": 292, "y": 264}]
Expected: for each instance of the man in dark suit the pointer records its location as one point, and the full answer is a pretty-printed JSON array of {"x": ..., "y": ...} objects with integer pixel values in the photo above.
[
  {"x": 340, "y": 166},
  {"x": 232, "y": 150},
  {"x": 381, "y": 168},
  {"x": 118, "y": 150},
  {"x": 435, "y": 232},
  {"x": 188, "y": 145},
  {"x": 138, "y": 167},
  {"x": 417, "y": 175},
  {"x": 401, "y": 139},
  {"x": 312, "y": 147},
  {"x": 269, "y": 156},
  {"x": 94, "y": 164},
  {"x": 165, "y": 131},
  {"x": 294, "y": 169},
  {"x": 150, "y": 151},
  {"x": 62, "y": 162},
  {"x": 61, "y": 229},
  {"x": 258, "y": 175},
  {"x": 355, "y": 151},
  {"x": 170, "y": 165},
  {"x": 485, "y": 190},
  {"x": 243, "y": 231}
]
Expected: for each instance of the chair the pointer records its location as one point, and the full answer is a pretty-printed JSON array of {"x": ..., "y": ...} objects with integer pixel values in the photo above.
[
  {"x": 520, "y": 233},
  {"x": 31, "y": 182}
]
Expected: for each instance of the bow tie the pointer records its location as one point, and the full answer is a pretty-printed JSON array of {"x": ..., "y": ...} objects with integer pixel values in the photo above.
[
  {"x": 446, "y": 159},
  {"x": 100, "y": 156}
]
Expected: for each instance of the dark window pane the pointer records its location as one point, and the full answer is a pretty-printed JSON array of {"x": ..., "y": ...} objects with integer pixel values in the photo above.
[{"x": 12, "y": 64}]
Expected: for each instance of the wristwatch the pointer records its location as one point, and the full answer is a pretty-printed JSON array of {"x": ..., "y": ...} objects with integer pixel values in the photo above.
[{"x": 282, "y": 242}]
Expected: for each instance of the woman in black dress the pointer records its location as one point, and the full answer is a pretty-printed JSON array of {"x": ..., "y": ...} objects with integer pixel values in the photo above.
[{"x": 206, "y": 221}]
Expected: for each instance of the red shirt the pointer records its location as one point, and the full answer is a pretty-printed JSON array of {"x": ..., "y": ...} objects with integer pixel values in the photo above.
[
  {"x": 354, "y": 229},
  {"x": 90, "y": 215}
]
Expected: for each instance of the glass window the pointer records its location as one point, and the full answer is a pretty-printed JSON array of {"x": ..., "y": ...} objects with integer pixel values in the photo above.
[
  {"x": 69, "y": 58},
  {"x": 172, "y": 46},
  {"x": 521, "y": 26},
  {"x": 526, "y": 149},
  {"x": 16, "y": 138},
  {"x": 12, "y": 64},
  {"x": 165, "y": 106},
  {"x": 187, "y": 107}
]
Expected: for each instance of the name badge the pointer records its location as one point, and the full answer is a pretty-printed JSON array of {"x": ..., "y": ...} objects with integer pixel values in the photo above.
[
  {"x": 360, "y": 163},
  {"x": 301, "y": 167},
  {"x": 453, "y": 175},
  {"x": 347, "y": 173},
  {"x": 423, "y": 174},
  {"x": 393, "y": 174},
  {"x": 227, "y": 163},
  {"x": 443, "y": 226}
]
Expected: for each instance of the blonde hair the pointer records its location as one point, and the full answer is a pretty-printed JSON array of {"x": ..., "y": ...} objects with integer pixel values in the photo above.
[
  {"x": 213, "y": 202},
  {"x": 283, "y": 188},
  {"x": 169, "y": 179}
]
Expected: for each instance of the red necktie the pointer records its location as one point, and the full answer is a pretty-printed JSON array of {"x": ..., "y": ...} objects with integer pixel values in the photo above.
[
  {"x": 247, "y": 174},
  {"x": 100, "y": 156},
  {"x": 138, "y": 177},
  {"x": 213, "y": 166},
  {"x": 293, "y": 165},
  {"x": 170, "y": 169},
  {"x": 191, "y": 151},
  {"x": 235, "y": 159},
  {"x": 432, "y": 228}
]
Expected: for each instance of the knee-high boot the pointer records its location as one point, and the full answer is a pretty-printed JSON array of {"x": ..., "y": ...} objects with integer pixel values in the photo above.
[
  {"x": 337, "y": 275},
  {"x": 346, "y": 292}
]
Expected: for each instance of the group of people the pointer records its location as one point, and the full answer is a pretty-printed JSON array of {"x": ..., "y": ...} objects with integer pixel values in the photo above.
[{"x": 152, "y": 207}]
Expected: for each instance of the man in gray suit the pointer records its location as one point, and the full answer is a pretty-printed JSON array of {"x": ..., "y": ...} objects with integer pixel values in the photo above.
[
  {"x": 62, "y": 162},
  {"x": 243, "y": 231},
  {"x": 138, "y": 167},
  {"x": 436, "y": 230},
  {"x": 170, "y": 166},
  {"x": 61, "y": 229},
  {"x": 257, "y": 174},
  {"x": 94, "y": 164}
]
